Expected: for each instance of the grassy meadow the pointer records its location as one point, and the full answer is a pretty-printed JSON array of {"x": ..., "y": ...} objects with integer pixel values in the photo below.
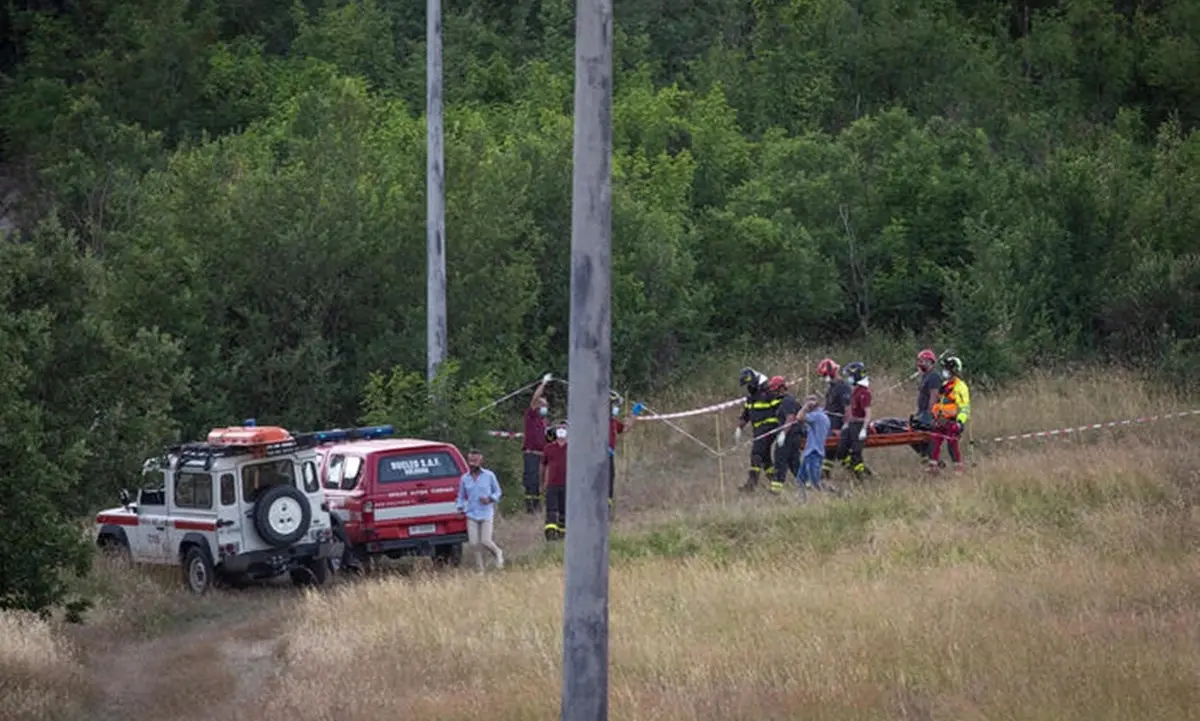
[{"x": 1056, "y": 579}]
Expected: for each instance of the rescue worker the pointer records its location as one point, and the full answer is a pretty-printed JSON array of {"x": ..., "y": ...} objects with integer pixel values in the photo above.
[
  {"x": 789, "y": 441},
  {"x": 752, "y": 380},
  {"x": 950, "y": 414},
  {"x": 553, "y": 484},
  {"x": 931, "y": 383},
  {"x": 761, "y": 411},
  {"x": 853, "y": 435},
  {"x": 616, "y": 427},
  {"x": 837, "y": 400},
  {"x": 533, "y": 441}
]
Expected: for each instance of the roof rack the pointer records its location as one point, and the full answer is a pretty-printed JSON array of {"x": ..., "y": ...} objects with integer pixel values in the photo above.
[{"x": 252, "y": 440}]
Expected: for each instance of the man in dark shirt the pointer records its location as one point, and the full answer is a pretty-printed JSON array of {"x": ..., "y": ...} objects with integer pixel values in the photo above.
[
  {"x": 837, "y": 400},
  {"x": 554, "y": 484},
  {"x": 534, "y": 442},
  {"x": 788, "y": 442},
  {"x": 931, "y": 383}
]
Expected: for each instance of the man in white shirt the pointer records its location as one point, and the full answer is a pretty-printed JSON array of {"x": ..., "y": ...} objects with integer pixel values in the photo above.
[{"x": 478, "y": 493}]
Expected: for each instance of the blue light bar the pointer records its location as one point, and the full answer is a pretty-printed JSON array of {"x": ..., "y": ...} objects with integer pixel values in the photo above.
[
  {"x": 331, "y": 436},
  {"x": 377, "y": 431},
  {"x": 250, "y": 423},
  {"x": 335, "y": 435}
]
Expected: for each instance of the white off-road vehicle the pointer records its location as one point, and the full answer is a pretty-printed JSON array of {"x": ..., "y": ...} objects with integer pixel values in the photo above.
[{"x": 245, "y": 505}]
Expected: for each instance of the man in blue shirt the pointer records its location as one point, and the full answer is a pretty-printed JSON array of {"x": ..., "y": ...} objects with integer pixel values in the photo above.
[
  {"x": 478, "y": 493},
  {"x": 816, "y": 423}
]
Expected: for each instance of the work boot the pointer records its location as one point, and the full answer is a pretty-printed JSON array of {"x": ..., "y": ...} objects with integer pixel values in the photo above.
[{"x": 776, "y": 487}]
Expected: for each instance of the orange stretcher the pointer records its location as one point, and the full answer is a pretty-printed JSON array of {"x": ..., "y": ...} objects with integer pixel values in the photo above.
[{"x": 882, "y": 440}]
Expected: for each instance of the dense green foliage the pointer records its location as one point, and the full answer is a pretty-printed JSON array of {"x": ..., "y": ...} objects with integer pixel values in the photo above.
[{"x": 223, "y": 202}]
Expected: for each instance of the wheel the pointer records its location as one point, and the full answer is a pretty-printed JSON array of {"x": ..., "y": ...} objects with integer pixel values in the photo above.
[
  {"x": 448, "y": 555},
  {"x": 314, "y": 573},
  {"x": 115, "y": 547},
  {"x": 282, "y": 515},
  {"x": 354, "y": 562},
  {"x": 198, "y": 572}
]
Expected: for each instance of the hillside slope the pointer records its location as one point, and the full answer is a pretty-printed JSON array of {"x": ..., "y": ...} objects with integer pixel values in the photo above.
[{"x": 1055, "y": 579}]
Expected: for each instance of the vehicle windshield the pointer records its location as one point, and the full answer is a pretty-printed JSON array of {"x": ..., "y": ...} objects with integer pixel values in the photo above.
[
  {"x": 258, "y": 476},
  {"x": 420, "y": 466}
]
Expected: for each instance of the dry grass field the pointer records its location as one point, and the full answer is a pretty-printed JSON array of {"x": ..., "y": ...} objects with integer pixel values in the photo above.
[{"x": 1056, "y": 579}]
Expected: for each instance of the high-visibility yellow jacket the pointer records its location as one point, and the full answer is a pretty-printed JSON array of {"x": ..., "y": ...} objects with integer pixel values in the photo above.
[{"x": 954, "y": 401}]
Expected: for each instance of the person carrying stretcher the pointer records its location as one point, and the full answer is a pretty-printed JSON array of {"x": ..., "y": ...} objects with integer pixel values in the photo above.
[
  {"x": 950, "y": 414},
  {"x": 853, "y": 435},
  {"x": 931, "y": 383},
  {"x": 789, "y": 441},
  {"x": 837, "y": 400}
]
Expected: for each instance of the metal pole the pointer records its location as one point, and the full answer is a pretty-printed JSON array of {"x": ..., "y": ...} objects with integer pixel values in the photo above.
[
  {"x": 435, "y": 190},
  {"x": 720, "y": 461},
  {"x": 585, "y": 607}
]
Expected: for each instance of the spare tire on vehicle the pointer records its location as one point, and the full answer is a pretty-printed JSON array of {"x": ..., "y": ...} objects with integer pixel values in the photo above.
[{"x": 282, "y": 515}]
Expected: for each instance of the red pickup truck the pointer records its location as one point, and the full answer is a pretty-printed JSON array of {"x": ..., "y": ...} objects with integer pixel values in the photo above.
[{"x": 395, "y": 497}]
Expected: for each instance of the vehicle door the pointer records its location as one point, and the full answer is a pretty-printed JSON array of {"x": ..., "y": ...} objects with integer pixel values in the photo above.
[
  {"x": 310, "y": 483},
  {"x": 343, "y": 491},
  {"x": 192, "y": 508},
  {"x": 256, "y": 477},
  {"x": 230, "y": 521},
  {"x": 416, "y": 490},
  {"x": 151, "y": 541}
]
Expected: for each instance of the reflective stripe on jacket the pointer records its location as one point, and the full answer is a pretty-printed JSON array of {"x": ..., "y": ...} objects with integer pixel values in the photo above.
[{"x": 762, "y": 410}]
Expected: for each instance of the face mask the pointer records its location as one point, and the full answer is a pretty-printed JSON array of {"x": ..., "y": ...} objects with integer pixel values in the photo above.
[
  {"x": 561, "y": 434},
  {"x": 828, "y": 380},
  {"x": 616, "y": 411},
  {"x": 543, "y": 411},
  {"x": 946, "y": 374}
]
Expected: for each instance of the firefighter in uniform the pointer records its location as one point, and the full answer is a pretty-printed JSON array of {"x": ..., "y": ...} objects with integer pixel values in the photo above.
[
  {"x": 837, "y": 400},
  {"x": 761, "y": 411},
  {"x": 853, "y": 435}
]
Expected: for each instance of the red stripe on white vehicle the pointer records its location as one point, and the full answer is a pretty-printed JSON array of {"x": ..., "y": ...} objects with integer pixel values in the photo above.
[
  {"x": 195, "y": 525},
  {"x": 104, "y": 518}
]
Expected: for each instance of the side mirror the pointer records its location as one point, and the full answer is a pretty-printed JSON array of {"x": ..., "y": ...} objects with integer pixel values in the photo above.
[{"x": 124, "y": 496}]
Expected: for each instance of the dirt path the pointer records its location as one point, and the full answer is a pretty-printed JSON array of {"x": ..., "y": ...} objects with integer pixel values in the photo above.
[{"x": 208, "y": 669}]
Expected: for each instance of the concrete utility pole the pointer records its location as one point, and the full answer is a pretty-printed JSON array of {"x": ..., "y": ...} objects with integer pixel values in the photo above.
[
  {"x": 585, "y": 614},
  {"x": 435, "y": 192}
]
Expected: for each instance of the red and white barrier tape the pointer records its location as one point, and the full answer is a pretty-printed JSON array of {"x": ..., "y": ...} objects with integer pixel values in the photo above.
[
  {"x": 1094, "y": 426},
  {"x": 649, "y": 416},
  {"x": 694, "y": 412},
  {"x": 506, "y": 434}
]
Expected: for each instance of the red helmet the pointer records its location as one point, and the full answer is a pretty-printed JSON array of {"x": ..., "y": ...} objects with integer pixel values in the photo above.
[
  {"x": 776, "y": 383},
  {"x": 926, "y": 359},
  {"x": 828, "y": 367}
]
